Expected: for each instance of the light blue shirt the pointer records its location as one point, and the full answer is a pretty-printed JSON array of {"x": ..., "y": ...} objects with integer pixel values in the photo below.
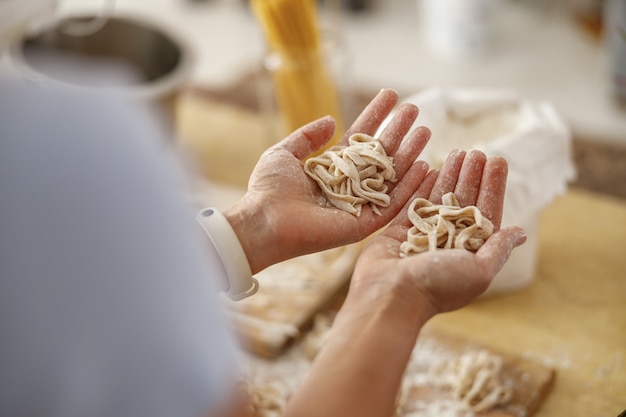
[{"x": 108, "y": 302}]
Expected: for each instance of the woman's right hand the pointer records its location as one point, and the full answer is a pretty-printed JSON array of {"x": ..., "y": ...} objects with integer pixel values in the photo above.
[
  {"x": 443, "y": 280},
  {"x": 359, "y": 370}
]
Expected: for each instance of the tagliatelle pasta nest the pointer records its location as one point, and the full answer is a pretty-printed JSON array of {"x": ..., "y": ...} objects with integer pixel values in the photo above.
[
  {"x": 444, "y": 226},
  {"x": 354, "y": 175}
]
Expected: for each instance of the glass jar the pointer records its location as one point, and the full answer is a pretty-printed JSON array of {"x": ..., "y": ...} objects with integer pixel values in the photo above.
[{"x": 299, "y": 86}]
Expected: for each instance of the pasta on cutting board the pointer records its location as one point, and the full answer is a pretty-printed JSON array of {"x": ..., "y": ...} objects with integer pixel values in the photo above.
[{"x": 446, "y": 376}]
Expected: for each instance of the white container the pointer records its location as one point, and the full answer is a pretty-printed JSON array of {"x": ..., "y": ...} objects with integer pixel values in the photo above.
[
  {"x": 456, "y": 28},
  {"x": 530, "y": 135},
  {"x": 615, "y": 32}
]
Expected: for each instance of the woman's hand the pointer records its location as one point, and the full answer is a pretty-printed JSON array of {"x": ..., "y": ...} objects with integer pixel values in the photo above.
[
  {"x": 359, "y": 370},
  {"x": 443, "y": 280},
  {"x": 284, "y": 213}
]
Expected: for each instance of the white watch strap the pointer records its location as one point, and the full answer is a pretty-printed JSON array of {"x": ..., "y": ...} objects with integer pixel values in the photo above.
[{"x": 221, "y": 233}]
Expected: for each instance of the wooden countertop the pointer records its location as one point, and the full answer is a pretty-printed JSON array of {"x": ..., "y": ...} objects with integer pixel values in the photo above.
[{"x": 572, "y": 316}]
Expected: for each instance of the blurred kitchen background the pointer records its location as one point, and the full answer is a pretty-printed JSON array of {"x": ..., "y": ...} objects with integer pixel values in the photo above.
[
  {"x": 204, "y": 64},
  {"x": 547, "y": 50}
]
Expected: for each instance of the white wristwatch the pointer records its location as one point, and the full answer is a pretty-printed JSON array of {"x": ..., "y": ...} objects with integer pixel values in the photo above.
[{"x": 240, "y": 280}]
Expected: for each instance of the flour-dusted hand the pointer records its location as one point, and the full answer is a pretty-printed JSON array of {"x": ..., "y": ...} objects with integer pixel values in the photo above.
[
  {"x": 392, "y": 297},
  {"x": 446, "y": 279},
  {"x": 287, "y": 208}
]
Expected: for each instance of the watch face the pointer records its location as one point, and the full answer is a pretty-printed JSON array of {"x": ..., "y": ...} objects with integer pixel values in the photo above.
[{"x": 17, "y": 15}]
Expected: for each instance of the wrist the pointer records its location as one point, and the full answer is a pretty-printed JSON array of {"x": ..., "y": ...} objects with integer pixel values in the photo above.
[
  {"x": 254, "y": 232},
  {"x": 389, "y": 296},
  {"x": 368, "y": 348},
  {"x": 240, "y": 283}
]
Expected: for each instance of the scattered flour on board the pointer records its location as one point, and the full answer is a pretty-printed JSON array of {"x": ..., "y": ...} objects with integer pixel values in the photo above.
[{"x": 271, "y": 382}]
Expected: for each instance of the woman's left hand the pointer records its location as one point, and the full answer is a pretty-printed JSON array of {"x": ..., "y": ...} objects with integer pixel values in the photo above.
[{"x": 284, "y": 213}]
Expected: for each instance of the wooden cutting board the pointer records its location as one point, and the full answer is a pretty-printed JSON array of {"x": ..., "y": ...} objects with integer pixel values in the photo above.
[
  {"x": 284, "y": 324},
  {"x": 275, "y": 379},
  {"x": 276, "y": 327},
  {"x": 531, "y": 380},
  {"x": 290, "y": 295}
]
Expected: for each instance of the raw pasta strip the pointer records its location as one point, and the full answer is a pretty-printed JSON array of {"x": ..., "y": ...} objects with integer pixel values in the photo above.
[
  {"x": 444, "y": 226},
  {"x": 354, "y": 175},
  {"x": 473, "y": 379}
]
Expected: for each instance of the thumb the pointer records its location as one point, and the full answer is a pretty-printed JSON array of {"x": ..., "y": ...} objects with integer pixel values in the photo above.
[
  {"x": 309, "y": 138},
  {"x": 497, "y": 249}
]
